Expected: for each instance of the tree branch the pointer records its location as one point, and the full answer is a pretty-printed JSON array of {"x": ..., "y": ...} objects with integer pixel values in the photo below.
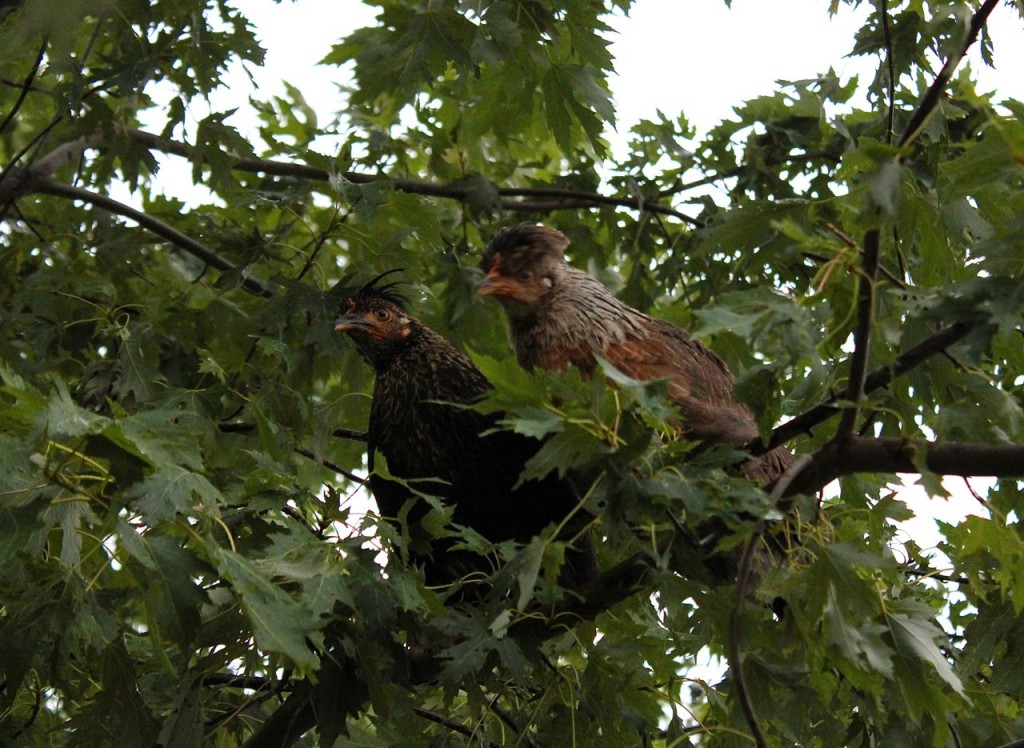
[
  {"x": 558, "y": 198},
  {"x": 806, "y": 475},
  {"x": 449, "y": 724},
  {"x": 862, "y": 333},
  {"x": 933, "y": 95},
  {"x": 894, "y": 455},
  {"x": 26, "y": 86},
  {"x": 333, "y": 467},
  {"x": 18, "y": 182},
  {"x": 745, "y": 585},
  {"x": 288, "y": 722},
  {"x": 879, "y": 378},
  {"x": 161, "y": 229}
]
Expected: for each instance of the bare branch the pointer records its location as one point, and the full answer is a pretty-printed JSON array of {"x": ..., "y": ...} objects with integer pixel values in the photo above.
[
  {"x": 333, "y": 467},
  {"x": 890, "y": 63},
  {"x": 745, "y": 585},
  {"x": 161, "y": 229},
  {"x": 356, "y": 436},
  {"x": 245, "y": 427},
  {"x": 440, "y": 719},
  {"x": 288, "y": 722}
]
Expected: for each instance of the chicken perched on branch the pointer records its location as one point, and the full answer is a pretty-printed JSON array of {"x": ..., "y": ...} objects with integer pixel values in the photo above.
[
  {"x": 420, "y": 422},
  {"x": 560, "y": 316}
]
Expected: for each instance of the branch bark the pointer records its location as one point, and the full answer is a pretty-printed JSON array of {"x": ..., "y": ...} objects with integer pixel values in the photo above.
[
  {"x": 894, "y": 455},
  {"x": 18, "y": 182},
  {"x": 862, "y": 333}
]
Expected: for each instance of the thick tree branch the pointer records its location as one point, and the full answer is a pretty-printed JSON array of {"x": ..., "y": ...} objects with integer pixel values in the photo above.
[
  {"x": 161, "y": 229},
  {"x": 933, "y": 95},
  {"x": 808, "y": 474},
  {"x": 893, "y": 455}
]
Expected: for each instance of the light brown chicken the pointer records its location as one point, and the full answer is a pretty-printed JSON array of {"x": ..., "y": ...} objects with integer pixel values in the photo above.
[{"x": 559, "y": 316}]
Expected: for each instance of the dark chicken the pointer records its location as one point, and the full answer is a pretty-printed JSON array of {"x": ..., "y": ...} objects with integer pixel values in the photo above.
[
  {"x": 419, "y": 422},
  {"x": 560, "y": 316}
]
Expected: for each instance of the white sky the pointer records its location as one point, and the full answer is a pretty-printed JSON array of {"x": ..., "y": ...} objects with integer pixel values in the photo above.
[
  {"x": 698, "y": 57},
  {"x": 695, "y": 56}
]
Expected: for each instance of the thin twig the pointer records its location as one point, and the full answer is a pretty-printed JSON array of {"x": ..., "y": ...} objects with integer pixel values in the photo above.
[
  {"x": 25, "y": 88},
  {"x": 15, "y": 182},
  {"x": 509, "y": 721},
  {"x": 848, "y": 240},
  {"x": 735, "y": 171},
  {"x": 245, "y": 427},
  {"x": 333, "y": 467},
  {"x": 161, "y": 229},
  {"x": 891, "y": 64},
  {"x": 933, "y": 95}
]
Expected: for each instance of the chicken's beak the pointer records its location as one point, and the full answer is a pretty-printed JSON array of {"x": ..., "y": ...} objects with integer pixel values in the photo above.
[
  {"x": 348, "y": 322},
  {"x": 495, "y": 284}
]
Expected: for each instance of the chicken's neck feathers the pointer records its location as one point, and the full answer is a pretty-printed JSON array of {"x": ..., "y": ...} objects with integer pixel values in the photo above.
[{"x": 578, "y": 314}]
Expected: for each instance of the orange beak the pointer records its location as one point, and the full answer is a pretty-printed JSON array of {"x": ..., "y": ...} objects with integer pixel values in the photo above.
[{"x": 495, "y": 284}]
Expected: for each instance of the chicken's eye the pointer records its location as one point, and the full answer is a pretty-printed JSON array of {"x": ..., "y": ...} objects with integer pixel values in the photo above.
[
  {"x": 382, "y": 315},
  {"x": 524, "y": 275}
]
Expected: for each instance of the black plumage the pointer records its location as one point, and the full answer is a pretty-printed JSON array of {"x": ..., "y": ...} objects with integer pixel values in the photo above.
[{"x": 419, "y": 422}]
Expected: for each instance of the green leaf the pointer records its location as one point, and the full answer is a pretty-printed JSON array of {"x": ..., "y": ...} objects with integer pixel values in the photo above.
[
  {"x": 164, "y": 437},
  {"x": 66, "y": 418},
  {"x": 575, "y": 447},
  {"x": 280, "y": 624},
  {"x": 172, "y": 490},
  {"x": 914, "y": 636}
]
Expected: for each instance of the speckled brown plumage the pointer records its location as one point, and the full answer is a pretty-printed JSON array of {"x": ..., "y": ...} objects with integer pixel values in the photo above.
[
  {"x": 560, "y": 316},
  {"x": 443, "y": 449}
]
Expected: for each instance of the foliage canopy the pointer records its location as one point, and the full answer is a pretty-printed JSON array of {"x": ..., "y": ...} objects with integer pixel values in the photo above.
[{"x": 185, "y": 556}]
